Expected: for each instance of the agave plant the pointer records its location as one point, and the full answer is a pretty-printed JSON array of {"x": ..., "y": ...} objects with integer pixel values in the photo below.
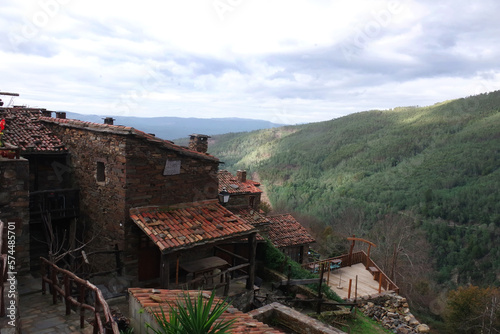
[{"x": 193, "y": 316}]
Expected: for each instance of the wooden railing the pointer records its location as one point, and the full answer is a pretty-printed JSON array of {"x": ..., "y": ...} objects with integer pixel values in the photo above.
[
  {"x": 103, "y": 320},
  {"x": 355, "y": 258}
]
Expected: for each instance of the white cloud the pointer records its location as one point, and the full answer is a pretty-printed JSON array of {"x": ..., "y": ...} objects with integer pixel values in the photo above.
[{"x": 285, "y": 61}]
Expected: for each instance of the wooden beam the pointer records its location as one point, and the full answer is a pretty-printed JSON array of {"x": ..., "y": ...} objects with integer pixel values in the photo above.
[
  {"x": 353, "y": 238},
  {"x": 9, "y": 94}
]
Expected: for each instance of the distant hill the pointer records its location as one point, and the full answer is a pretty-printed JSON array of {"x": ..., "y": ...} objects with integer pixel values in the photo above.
[
  {"x": 177, "y": 127},
  {"x": 437, "y": 167}
]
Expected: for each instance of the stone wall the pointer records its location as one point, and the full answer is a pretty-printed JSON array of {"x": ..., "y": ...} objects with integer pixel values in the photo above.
[
  {"x": 102, "y": 202},
  {"x": 244, "y": 200},
  {"x": 14, "y": 206},
  {"x": 116, "y": 171},
  {"x": 393, "y": 312}
]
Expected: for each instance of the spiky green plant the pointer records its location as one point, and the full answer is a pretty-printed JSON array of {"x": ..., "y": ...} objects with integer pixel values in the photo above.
[{"x": 193, "y": 316}]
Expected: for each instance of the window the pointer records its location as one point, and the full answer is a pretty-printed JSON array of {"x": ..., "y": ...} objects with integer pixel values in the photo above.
[
  {"x": 101, "y": 172},
  {"x": 251, "y": 201}
]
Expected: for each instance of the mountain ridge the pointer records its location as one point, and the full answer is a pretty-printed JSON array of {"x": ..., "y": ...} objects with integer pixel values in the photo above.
[{"x": 171, "y": 128}]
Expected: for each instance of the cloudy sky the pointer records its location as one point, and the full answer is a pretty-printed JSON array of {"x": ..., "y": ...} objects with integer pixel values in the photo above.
[{"x": 280, "y": 60}]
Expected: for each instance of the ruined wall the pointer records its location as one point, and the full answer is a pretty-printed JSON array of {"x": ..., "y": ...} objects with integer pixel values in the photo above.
[{"x": 14, "y": 206}]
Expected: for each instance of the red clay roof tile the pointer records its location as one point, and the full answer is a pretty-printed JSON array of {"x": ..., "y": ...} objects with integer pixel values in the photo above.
[
  {"x": 197, "y": 226},
  {"x": 285, "y": 231},
  {"x": 234, "y": 187},
  {"x": 24, "y": 129}
]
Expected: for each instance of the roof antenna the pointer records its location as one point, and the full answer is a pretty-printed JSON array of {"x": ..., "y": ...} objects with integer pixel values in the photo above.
[{"x": 8, "y": 94}]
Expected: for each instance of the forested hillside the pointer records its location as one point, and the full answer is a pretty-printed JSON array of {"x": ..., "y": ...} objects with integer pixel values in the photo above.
[{"x": 428, "y": 176}]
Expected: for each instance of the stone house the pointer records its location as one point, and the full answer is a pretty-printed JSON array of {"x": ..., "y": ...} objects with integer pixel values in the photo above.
[
  {"x": 284, "y": 231},
  {"x": 243, "y": 192}
]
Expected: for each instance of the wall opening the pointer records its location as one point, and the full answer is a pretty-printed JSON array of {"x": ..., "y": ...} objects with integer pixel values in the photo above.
[{"x": 101, "y": 172}]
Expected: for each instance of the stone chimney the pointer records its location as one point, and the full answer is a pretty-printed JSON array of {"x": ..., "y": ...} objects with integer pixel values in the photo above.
[
  {"x": 109, "y": 120},
  {"x": 60, "y": 114},
  {"x": 242, "y": 176},
  {"x": 198, "y": 143},
  {"x": 46, "y": 113}
]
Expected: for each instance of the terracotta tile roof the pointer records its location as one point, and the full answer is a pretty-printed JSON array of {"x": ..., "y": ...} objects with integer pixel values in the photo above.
[
  {"x": 285, "y": 231},
  {"x": 254, "y": 217},
  {"x": 127, "y": 130},
  {"x": 233, "y": 186},
  {"x": 24, "y": 129},
  {"x": 189, "y": 225},
  {"x": 244, "y": 322}
]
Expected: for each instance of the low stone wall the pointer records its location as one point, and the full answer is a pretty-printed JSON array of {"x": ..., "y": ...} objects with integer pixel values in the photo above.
[
  {"x": 296, "y": 321},
  {"x": 393, "y": 312}
]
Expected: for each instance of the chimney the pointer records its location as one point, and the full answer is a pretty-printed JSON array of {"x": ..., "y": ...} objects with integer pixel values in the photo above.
[
  {"x": 46, "y": 113},
  {"x": 109, "y": 120},
  {"x": 198, "y": 143},
  {"x": 242, "y": 176},
  {"x": 60, "y": 114}
]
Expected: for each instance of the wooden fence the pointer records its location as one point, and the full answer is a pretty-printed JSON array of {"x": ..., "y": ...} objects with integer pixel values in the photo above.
[
  {"x": 355, "y": 258},
  {"x": 103, "y": 320}
]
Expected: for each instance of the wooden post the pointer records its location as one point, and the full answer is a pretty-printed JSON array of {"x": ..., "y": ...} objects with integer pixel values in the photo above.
[
  {"x": 44, "y": 272},
  {"x": 81, "y": 300},
  {"x": 356, "y": 290},
  {"x": 67, "y": 294},
  {"x": 228, "y": 282},
  {"x": 177, "y": 270},
  {"x": 164, "y": 272},
  {"x": 349, "y": 291},
  {"x": 350, "y": 251},
  {"x": 320, "y": 296},
  {"x": 252, "y": 247},
  {"x": 119, "y": 266},
  {"x": 328, "y": 275},
  {"x": 53, "y": 277}
]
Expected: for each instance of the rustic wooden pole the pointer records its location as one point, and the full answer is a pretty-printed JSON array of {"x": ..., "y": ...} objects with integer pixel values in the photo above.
[
  {"x": 67, "y": 294},
  {"x": 81, "y": 300},
  {"x": 252, "y": 243},
  {"x": 165, "y": 272},
  {"x": 177, "y": 270},
  {"x": 350, "y": 250},
  {"x": 320, "y": 297},
  {"x": 328, "y": 275},
  {"x": 228, "y": 283},
  {"x": 356, "y": 290},
  {"x": 44, "y": 272},
  {"x": 349, "y": 291},
  {"x": 119, "y": 266},
  {"x": 53, "y": 277}
]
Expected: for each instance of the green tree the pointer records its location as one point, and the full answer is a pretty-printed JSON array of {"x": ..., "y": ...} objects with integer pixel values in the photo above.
[{"x": 473, "y": 310}]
